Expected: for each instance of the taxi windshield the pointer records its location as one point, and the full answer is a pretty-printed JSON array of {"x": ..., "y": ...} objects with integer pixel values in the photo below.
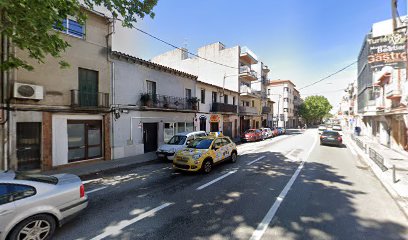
[
  {"x": 200, "y": 143},
  {"x": 177, "y": 140}
]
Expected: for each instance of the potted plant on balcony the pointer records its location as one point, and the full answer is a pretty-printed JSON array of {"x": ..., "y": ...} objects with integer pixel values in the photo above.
[
  {"x": 193, "y": 101},
  {"x": 145, "y": 99}
]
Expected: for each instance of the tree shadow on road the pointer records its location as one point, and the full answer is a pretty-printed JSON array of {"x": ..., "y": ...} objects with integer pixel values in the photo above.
[{"x": 319, "y": 205}]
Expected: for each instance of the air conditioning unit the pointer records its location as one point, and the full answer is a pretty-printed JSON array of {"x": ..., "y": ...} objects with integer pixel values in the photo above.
[{"x": 28, "y": 91}]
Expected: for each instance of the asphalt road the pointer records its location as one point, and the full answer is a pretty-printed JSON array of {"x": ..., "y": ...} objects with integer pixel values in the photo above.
[{"x": 288, "y": 187}]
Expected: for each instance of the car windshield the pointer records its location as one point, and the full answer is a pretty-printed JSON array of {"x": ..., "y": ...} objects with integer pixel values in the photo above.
[
  {"x": 200, "y": 143},
  {"x": 177, "y": 140},
  {"x": 331, "y": 134},
  {"x": 36, "y": 178},
  {"x": 250, "y": 131}
]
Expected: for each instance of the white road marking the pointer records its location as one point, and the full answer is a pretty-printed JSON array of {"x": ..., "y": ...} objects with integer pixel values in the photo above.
[
  {"x": 215, "y": 180},
  {"x": 259, "y": 232},
  {"x": 95, "y": 190},
  {"x": 114, "y": 230},
  {"x": 256, "y": 160}
]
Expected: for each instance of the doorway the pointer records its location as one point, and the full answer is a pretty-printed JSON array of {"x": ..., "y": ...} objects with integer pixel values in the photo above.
[
  {"x": 28, "y": 145},
  {"x": 84, "y": 139},
  {"x": 227, "y": 129},
  {"x": 214, "y": 127},
  {"x": 150, "y": 137},
  {"x": 203, "y": 123}
]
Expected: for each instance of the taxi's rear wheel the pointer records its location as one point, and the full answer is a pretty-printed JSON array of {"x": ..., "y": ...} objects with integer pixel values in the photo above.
[
  {"x": 234, "y": 157},
  {"x": 207, "y": 166}
]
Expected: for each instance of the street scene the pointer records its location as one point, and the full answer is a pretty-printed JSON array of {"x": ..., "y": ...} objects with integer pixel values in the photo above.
[{"x": 148, "y": 119}]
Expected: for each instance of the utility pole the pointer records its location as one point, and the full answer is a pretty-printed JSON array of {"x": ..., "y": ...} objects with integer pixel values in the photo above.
[{"x": 394, "y": 14}]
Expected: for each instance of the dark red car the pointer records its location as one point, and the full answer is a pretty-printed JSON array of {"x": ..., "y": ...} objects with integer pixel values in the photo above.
[{"x": 251, "y": 135}]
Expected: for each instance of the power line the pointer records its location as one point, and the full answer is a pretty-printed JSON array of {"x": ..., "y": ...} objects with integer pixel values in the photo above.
[
  {"x": 338, "y": 71},
  {"x": 338, "y": 90},
  {"x": 185, "y": 50}
]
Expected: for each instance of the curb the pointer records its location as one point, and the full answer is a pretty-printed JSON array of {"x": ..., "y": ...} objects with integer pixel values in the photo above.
[{"x": 401, "y": 202}]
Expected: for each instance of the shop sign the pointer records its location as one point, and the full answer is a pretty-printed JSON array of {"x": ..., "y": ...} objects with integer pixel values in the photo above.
[
  {"x": 214, "y": 118},
  {"x": 388, "y": 50}
]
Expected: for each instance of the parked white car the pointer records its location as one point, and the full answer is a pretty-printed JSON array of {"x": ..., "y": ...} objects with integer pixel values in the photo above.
[
  {"x": 321, "y": 128},
  {"x": 336, "y": 128},
  {"x": 32, "y": 206},
  {"x": 266, "y": 133},
  {"x": 176, "y": 143}
]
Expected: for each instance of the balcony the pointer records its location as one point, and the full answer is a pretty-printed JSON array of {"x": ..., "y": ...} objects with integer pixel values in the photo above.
[
  {"x": 164, "y": 102},
  {"x": 244, "y": 110},
  {"x": 246, "y": 73},
  {"x": 82, "y": 99},
  {"x": 244, "y": 90},
  {"x": 223, "y": 107},
  {"x": 248, "y": 56},
  {"x": 266, "y": 110},
  {"x": 392, "y": 90}
]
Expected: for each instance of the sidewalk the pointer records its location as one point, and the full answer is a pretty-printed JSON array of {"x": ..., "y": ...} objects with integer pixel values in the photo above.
[
  {"x": 85, "y": 170},
  {"x": 389, "y": 166}
]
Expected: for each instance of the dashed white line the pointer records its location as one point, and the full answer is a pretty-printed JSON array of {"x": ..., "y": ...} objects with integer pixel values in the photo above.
[
  {"x": 256, "y": 160},
  {"x": 258, "y": 233},
  {"x": 114, "y": 230},
  {"x": 95, "y": 190},
  {"x": 215, "y": 180}
]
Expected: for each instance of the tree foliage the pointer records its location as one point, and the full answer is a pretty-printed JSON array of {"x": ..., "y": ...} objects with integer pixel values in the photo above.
[
  {"x": 314, "y": 108},
  {"x": 28, "y": 24}
]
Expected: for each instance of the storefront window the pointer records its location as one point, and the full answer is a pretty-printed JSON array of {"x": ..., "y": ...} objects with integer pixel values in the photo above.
[
  {"x": 168, "y": 131},
  {"x": 84, "y": 140},
  {"x": 189, "y": 126},
  {"x": 181, "y": 127}
]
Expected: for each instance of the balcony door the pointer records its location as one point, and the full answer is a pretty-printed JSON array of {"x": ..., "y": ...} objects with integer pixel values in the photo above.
[{"x": 88, "y": 87}]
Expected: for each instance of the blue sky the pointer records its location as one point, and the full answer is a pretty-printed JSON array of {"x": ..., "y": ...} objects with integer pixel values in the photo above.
[{"x": 300, "y": 40}]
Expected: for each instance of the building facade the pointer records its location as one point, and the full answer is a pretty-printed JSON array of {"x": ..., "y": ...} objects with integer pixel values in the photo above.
[
  {"x": 383, "y": 87},
  {"x": 62, "y": 116},
  {"x": 234, "y": 74},
  {"x": 151, "y": 103},
  {"x": 283, "y": 93},
  {"x": 218, "y": 110}
]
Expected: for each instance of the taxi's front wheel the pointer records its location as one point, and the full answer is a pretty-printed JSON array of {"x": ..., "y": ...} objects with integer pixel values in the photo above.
[
  {"x": 233, "y": 157},
  {"x": 207, "y": 166}
]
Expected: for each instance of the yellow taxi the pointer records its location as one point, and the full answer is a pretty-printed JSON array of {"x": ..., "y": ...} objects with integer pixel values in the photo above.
[{"x": 203, "y": 153}]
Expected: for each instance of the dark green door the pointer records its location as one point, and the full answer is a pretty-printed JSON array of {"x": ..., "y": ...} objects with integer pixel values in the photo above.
[{"x": 88, "y": 87}]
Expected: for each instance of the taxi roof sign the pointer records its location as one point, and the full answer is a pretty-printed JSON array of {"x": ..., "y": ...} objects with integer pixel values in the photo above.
[{"x": 216, "y": 134}]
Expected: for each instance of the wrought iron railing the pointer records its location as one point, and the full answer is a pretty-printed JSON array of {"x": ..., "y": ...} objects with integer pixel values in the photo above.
[
  {"x": 89, "y": 99},
  {"x": 149, "y": 100},
  {"x": 223, "y": 107},
  {"x": 266, "y": 110},
  {"x": 377, "y": 158}
]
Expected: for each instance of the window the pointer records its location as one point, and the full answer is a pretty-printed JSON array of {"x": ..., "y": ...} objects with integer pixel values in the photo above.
[
  {"x": 14, "y": 192},
  {"x": 84, "y": 140},
  {"x": 203, "y": 96},
  {"x": 233, "y": 100},
  {"x": 285, "y": 99},
  {"x": 188, "y": 93},
  {"x": 253, "y": 103},
  {"x": 285, "y": 89},
  {"x": 151, "y": 87},
  {"x": 214, "y": 97},
  {"x": 72, "y": 27},
  {"x": 269, "y": 91},
  {"x": 190, "y": 127},
  {"x": 168, "y": 131},
  {"x": 181, "y": 127},
  {"x": 226, "y": 99}
]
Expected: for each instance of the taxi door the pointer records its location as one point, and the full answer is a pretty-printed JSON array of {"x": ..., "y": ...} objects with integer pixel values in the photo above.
[{"x": 218, "y": 148}]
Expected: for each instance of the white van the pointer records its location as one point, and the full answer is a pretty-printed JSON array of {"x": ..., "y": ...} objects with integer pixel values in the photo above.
[{"x": 177, "y": 142}]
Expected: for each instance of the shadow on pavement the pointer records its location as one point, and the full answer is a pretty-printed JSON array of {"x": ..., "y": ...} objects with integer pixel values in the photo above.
[{"x": 315, "y": 208}]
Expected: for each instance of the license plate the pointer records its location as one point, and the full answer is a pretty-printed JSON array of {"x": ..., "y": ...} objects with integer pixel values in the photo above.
[
  {"x": 160, "y": 155},
  {"x": 330, "y": 138}
]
